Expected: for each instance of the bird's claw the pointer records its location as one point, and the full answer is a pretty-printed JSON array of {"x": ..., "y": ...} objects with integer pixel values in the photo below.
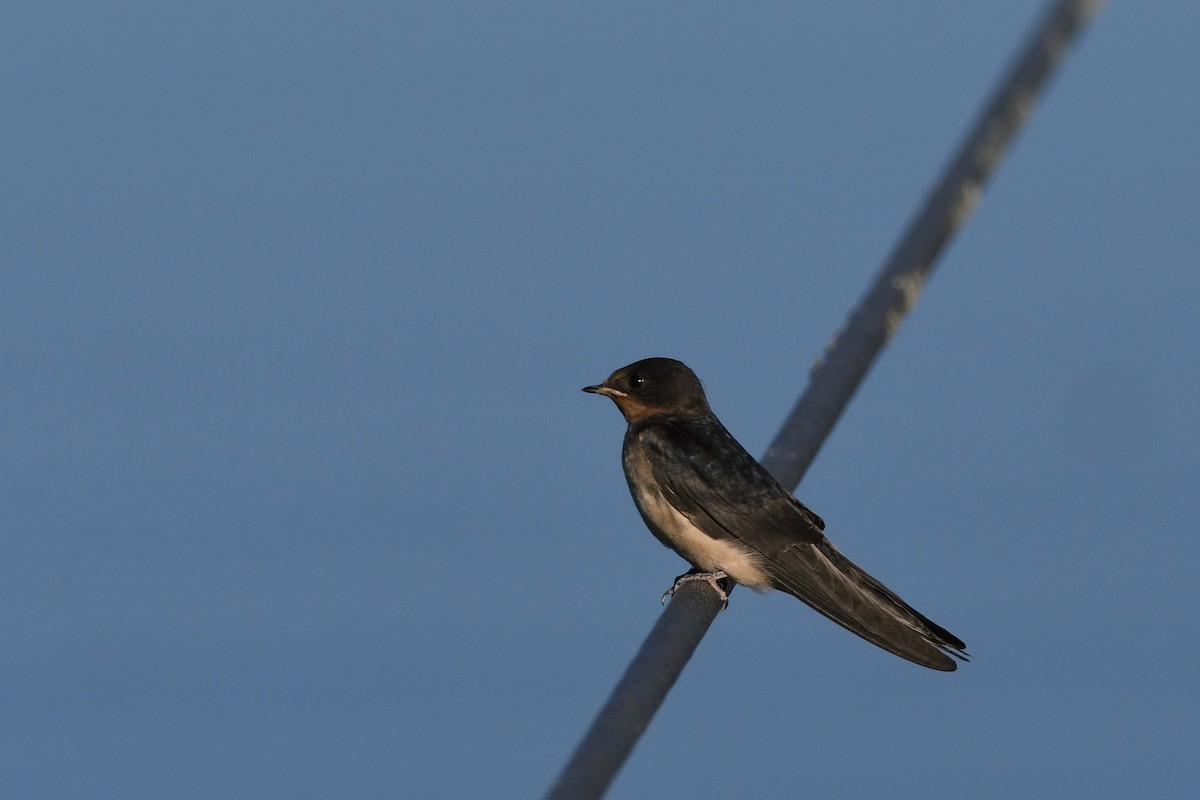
[{"x": 713, "y": 579}]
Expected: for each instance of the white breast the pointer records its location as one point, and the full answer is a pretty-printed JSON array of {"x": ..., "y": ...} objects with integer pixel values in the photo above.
[{"x": 705, "y": 552}]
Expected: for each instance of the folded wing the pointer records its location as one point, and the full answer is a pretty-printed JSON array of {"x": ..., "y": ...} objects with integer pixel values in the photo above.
[{"x": 717, "y": 485}]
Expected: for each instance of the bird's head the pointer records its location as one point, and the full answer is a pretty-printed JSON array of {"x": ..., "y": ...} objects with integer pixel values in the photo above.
[{"x": 654, "y": 386}]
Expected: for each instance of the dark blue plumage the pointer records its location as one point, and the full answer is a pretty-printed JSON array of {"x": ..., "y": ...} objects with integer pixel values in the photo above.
[{"x": 704, "y": 496}]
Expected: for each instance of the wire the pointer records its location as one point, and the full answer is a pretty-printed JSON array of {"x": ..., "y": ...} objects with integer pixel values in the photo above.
[{"x": 849, "y": 356}]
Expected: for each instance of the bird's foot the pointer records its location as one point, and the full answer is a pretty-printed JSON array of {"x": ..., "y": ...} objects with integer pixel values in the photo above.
[{"x": 713, "y": 579}]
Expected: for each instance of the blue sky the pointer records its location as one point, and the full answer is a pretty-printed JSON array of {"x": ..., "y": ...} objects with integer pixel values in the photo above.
[{"x": 300, "y": 497}]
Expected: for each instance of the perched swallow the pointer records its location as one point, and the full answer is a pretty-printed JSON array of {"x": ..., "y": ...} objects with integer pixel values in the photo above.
[{"x": 702, "y": 495}]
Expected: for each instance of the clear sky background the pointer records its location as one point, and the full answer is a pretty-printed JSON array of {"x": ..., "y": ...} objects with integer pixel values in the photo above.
[{"x": 299, "y": 494}]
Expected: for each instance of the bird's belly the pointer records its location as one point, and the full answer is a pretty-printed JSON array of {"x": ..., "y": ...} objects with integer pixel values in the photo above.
[{"x": 705, "y": 552}]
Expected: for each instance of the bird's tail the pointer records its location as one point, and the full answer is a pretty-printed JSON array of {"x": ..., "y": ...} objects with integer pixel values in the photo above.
[{"x": 846, "y": 593}]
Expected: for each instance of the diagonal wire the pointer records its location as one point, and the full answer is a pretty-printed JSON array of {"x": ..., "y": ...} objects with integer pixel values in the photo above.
[{"x": 693, "y": 608}]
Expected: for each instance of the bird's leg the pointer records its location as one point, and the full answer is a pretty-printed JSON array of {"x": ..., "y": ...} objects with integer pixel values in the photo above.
[{"x": 713, "y": 579}]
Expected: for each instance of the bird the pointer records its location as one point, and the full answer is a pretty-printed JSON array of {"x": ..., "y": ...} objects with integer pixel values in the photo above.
[{"x": 704, "y": 496}]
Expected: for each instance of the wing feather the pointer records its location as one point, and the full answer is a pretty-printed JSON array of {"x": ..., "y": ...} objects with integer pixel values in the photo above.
[{"x": 709, "y": 478}]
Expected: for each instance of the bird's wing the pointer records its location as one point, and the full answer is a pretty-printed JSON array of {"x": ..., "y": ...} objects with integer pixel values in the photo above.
[{"x": 709, "y": 478}]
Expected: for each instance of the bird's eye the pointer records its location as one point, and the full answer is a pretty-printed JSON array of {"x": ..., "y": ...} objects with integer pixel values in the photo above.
[{"x": 636, "y": 381}]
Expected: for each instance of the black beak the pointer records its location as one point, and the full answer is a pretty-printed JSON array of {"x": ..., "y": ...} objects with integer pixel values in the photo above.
[{"x": 605, "y": 390}]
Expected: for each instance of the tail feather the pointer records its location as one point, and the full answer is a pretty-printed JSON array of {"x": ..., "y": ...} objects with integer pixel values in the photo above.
[{"x": 832, "y": 584}]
